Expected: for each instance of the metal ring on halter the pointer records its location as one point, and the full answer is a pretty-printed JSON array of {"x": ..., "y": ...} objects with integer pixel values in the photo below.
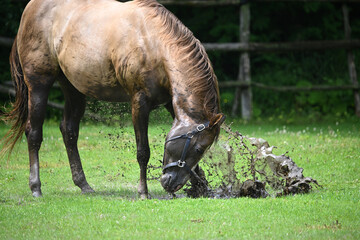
[
  {"x": 181, "y": 164},
  {"x": 190, "y": 135}
]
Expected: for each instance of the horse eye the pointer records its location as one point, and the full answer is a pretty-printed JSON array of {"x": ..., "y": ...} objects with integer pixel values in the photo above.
[{"x": 199, "y": 150}]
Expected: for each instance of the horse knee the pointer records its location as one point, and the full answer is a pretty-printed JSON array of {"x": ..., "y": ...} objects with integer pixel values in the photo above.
[{"x": 143, "y": 156}]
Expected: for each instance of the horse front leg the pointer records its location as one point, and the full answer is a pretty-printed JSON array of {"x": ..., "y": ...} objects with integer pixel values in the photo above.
[
  {"x": 140, "y": 117},
  {"x": 199, "y": 187},
  {"x": 169, "y": 107}
]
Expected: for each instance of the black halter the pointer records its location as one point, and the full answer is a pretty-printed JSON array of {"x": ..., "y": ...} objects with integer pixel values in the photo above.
[{"x": 181, "y": 163}]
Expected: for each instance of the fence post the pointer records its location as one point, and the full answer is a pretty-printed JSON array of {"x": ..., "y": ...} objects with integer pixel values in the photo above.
[
  {"x": 351, "y": 60},
  {"x": 243, "y": 95}
]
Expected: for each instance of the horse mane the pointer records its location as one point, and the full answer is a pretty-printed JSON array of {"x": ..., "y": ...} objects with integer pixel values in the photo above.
[{"x": 201, "y": 79}]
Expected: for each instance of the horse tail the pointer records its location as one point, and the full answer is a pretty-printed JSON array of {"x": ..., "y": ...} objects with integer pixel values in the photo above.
[{"x": 19, "y": 113}]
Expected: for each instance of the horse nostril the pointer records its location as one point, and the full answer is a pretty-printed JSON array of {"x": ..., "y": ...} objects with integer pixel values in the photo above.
[{"x": 166, "y": 180}]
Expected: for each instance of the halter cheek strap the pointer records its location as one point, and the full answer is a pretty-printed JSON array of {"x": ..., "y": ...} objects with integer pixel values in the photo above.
[{"x": 181, "y": 163}]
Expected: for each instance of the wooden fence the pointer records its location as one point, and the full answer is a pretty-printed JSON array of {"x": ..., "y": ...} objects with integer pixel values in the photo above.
[{"x": 243, "y": 84}]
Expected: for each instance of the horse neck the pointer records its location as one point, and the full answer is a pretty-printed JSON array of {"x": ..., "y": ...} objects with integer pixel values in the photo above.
[
  {"x": 178, "y": 50},
  {"x": 188, "y": 106}
]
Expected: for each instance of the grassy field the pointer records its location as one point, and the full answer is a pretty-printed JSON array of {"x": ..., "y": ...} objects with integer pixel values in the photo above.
[{"x": 329, "y": 152}]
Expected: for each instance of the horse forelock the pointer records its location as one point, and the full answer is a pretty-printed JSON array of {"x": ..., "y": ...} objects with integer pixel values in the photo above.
[{"x": 201, "y": 79}]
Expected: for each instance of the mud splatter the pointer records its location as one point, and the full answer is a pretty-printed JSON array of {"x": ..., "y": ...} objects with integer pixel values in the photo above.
[
  {"x": 249, "y": 169},
  {"x": 237, "y": 166}
]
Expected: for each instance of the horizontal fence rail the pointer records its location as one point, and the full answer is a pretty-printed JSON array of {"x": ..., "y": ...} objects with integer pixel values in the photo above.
[
  {"x": 6, "y": 41},
  {"x": 232, "y": 84},
  {"x": 8, "y": 88},
  {"x": 222, "y": 2},
  {"x": 11, "y": 91},
  {"x": 284, "y": 46},
  {"x": 263, "y": 47},
  {"x": 237, "y": 2}
]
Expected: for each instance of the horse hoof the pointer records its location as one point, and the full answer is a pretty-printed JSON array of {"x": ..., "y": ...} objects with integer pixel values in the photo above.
[
  {"x": 144, "y": 196},
  {"x": 172, "y": 196},
  {"x": 37, "y": 194},
  {"x": 87, "y": 189}
]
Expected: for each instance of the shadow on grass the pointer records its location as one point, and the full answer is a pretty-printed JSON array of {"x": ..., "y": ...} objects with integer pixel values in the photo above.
[{"x": 123, "y": 194}]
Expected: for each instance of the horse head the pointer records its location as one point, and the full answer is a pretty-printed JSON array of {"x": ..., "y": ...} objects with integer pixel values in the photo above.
[{"x": 184, "y": 147}]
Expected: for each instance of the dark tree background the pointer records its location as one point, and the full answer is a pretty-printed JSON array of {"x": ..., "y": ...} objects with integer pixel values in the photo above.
[{"x": 270, "y": 22}]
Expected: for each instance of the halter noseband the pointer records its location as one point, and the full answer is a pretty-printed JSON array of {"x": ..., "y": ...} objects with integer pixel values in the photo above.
[{"x": 181, "y": 163}]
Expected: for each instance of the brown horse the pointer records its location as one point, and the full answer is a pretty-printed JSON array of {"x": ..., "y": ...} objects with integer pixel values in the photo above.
[{"x": 135, "y": 51}]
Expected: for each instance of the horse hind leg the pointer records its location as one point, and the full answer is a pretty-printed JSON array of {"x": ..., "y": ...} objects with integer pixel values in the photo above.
[
  {"x": 69, "y": 127},
  {"x": 38, "y": 92}
]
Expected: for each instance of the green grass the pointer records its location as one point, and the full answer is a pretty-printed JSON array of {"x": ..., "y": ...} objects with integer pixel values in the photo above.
[{"x": 329, "y": 152}]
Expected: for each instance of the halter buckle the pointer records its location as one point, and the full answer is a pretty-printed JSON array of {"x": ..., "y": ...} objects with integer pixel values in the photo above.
[
  {"x": 200, "y": 127},
  {"x": 190, "y": 135},
  {"x": 181, "y": 164}
]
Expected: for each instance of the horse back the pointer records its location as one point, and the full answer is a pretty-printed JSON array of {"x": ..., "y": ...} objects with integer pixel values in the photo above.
[{"x": 103, "y": 47}]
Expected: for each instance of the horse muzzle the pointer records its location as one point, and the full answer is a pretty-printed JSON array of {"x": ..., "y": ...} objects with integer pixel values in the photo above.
[{"x": 173, "y": 181}]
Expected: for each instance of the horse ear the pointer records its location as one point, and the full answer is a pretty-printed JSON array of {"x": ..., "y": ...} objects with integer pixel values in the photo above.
[{"x": 218, "y": 119}]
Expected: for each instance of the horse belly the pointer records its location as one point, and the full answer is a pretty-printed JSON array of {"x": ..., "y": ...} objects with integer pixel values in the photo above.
[
  {"x": 97, "y": 84},
  {"x": 109, "y": 94}
]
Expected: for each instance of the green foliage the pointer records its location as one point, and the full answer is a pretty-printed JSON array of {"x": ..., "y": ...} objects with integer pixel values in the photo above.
[
  {"x": 270, "y": 22},
  {"x": 10, "y": 12},
  {"x": 283, "y": 22},
  {"x": 304, "y": 21}
]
